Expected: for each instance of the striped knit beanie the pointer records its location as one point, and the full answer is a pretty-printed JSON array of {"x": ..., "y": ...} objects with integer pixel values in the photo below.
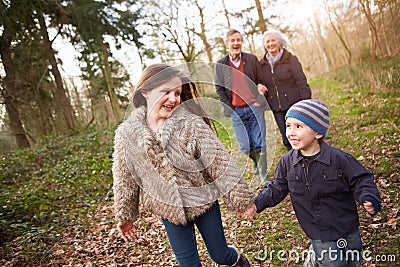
[{"x": 313, "y": 113}]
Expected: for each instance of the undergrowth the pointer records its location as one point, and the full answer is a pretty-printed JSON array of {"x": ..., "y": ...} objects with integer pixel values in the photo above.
[{"x": 55, "y": 205}]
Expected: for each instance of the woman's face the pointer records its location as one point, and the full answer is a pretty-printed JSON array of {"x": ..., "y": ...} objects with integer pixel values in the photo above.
[
  {"x": 163, "y": 99},
  {"x": 272, "y": 44}
]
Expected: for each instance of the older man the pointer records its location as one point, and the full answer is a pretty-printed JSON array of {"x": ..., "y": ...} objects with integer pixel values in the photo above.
[{"x": 237, "y": 82}]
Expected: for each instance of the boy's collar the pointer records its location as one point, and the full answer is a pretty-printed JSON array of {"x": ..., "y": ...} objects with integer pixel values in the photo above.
[{"x": 324, "y": 156}]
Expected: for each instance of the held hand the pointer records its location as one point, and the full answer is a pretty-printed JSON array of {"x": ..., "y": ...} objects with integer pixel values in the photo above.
[
  {"x": 244, "y": 216},
  {"x": 252, "y": 210},
  {"x": 262, "y": 89},
  {"x": 126, "y": 230},
  {"x": 369, "y": 207},
  {"x": 249, "y": 213}
]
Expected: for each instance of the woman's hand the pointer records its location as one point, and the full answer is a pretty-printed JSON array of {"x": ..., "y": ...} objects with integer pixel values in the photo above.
[
  {"x": 262, "y": 89},
  {"x": 126, "y": 230}
]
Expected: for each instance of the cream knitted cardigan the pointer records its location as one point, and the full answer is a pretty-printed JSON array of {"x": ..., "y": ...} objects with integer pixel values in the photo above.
[{"x": 181, "y": 172}]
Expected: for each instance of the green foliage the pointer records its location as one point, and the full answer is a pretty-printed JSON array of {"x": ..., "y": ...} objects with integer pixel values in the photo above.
[
  {"x": 56, "y": 198},
  {"x": 42, "y": 187},
  {"x": 224, "y": 134},
  {"x": 364, "y": 113},
  {"x": 384, "y": 73}
]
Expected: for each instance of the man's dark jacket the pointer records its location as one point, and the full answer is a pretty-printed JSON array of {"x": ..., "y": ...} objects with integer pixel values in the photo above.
[{"x": 223, "y": 80}]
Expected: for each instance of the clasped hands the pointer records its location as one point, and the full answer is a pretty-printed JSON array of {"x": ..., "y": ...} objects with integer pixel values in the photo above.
[
  {"x": 249, "y": 213},
  {"x": 262, "y": 89}
]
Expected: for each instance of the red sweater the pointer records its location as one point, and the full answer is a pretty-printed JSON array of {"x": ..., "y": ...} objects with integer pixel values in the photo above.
[{"x": 241, "y": 93}]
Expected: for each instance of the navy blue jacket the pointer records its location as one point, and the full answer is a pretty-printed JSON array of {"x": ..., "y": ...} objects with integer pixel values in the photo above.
[
  {"x": 286, "y": 82},
  {"x": 223, "y": 80},
  {"x": 323, "y": 191}
]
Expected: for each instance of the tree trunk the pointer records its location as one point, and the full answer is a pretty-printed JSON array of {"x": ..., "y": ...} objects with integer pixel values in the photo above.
[
  {"x": 339, "y": 35},
  {"x": 107, "y": 77},
  {"x": 226, "y": 14},
  {"x": 374, "y": 32},
  {"x": 321, "y": 42},
  {"x": 65, "y": 105},
  {"x": 77, "y": 97},
  {"x": 384, "y": 27},
  {"x": 261, "y": 21},
  {"x": 9, "y": 91},
  {"x": 202, "y": 34},
  {"x": 394, "y": 11},
  {"x": 42, "y": 107}
]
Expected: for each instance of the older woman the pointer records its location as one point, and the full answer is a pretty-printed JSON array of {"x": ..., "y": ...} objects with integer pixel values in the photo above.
[{"x": 284, "y": 78}]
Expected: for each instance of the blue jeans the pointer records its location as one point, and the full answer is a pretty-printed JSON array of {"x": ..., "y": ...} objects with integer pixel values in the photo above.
[
  {"x": 345, "y": 252},
  {"x": 183, "y": 240},
  {"x": 249, "y": 125},
  {"x": 280, "y": 121}
]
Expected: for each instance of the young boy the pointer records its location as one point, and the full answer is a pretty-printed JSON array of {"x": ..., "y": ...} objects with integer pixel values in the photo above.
[{"x": 324, "y": 184}]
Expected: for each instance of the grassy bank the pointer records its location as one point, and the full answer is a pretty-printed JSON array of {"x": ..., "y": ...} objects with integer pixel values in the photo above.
[{"x": 55, "y": 205}]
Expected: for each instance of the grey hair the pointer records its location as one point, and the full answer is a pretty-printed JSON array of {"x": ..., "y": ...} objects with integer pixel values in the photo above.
[
  {"x": 278, "y": 35},
  {"x": 232, "y": 32}
]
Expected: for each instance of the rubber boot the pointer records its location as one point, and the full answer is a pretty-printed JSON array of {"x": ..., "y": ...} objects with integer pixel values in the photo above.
[
  {"x": 262, "y": 168},
  {"x": 255, "y": 157}
]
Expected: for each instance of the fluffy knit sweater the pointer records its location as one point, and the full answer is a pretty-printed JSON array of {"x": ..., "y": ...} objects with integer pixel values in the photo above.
[{"x": 180, "y": 173}]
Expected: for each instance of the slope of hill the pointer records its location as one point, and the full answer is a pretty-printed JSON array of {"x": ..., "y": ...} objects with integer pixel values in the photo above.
[{"x": 56, "y": 200}]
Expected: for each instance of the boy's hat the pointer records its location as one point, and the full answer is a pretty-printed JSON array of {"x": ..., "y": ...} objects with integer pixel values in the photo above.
[{"x": 313, "y": 113}]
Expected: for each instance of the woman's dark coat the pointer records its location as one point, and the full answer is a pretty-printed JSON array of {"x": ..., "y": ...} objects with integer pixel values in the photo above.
[{"x": 286, "y": 82}]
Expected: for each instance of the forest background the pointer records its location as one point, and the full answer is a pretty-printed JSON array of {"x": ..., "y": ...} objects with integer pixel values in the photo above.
[
  {"x": 39, "y": 98},
  {"x": 67, "y": 68}
]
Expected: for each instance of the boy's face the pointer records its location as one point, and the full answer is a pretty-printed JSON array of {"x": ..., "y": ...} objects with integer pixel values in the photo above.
[{"x": 302, "y": 137}]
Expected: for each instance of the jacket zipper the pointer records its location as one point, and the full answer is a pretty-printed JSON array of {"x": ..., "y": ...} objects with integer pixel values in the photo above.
[
  {"x": 276, "y": 88},
  {"x": 305, "y": 169}
]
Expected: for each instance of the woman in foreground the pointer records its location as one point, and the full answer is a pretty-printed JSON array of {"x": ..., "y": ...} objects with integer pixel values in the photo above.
[{"x": 167, "y": 151}]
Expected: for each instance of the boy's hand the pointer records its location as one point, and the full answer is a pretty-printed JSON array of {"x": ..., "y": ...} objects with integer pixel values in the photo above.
[{"x": 369, "y": 207}]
